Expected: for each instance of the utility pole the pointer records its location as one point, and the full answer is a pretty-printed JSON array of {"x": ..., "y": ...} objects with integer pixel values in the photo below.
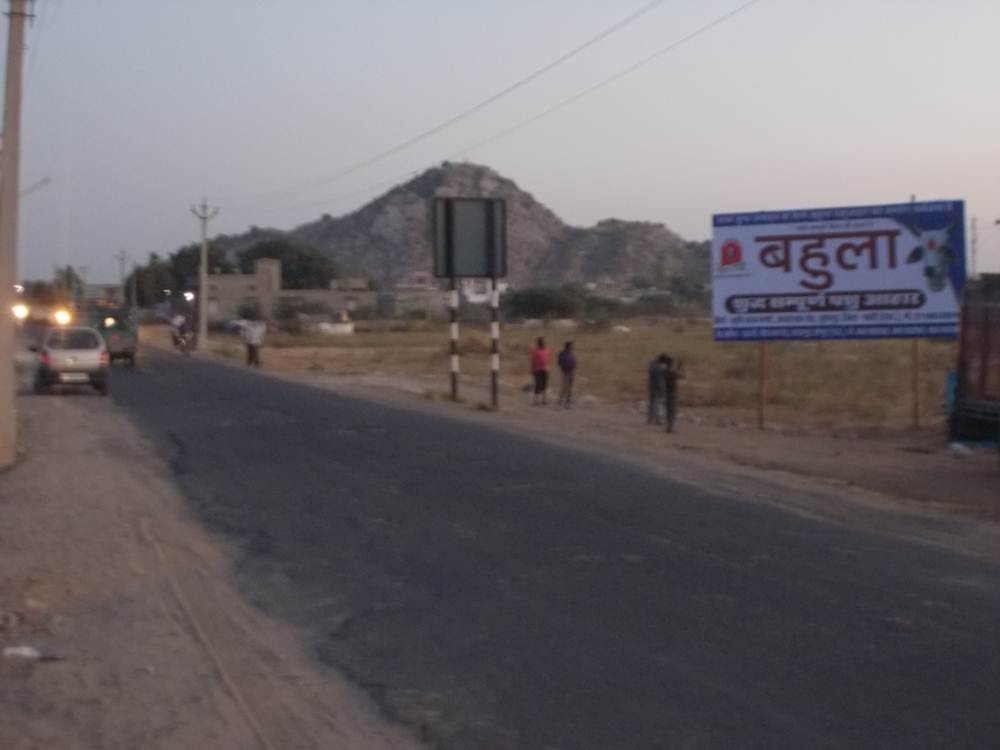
[
  {"x": 915, "y": 368},
  {"x": 997, "y": 222},
  {"x": 81, "y": 286},
  {"x": 121, "y": 256},
  {"x": 975, "y": 247},
  {"x": 9, "y": 171},
  {"x": 135, "y": 288},
  {"x": 204, "y": 214}
]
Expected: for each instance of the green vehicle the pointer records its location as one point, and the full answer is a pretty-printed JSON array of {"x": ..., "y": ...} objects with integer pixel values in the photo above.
[{"x": 117, "y": 327}]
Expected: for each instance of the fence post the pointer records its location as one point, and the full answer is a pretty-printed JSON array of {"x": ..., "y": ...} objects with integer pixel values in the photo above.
[{"x": 761, "y": 383}]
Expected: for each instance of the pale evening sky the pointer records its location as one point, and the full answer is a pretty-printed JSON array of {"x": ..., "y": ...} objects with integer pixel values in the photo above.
[{"x": 137, "y": 108}]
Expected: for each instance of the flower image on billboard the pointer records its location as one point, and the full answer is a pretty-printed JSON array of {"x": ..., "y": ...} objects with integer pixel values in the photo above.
[{"x": 890, "y": 271}]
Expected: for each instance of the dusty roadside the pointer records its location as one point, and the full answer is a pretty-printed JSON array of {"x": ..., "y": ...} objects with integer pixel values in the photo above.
[{"x": 147, "y": 643}]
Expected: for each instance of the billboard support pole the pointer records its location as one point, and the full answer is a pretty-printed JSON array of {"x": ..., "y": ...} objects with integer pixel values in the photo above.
[
  {"x": 915, "y": 355},
  {"x": 494, "y": 343},
  {"x": 761, "y": 383},
  {"x": 470, "y": 241},
  {"x": 453, "y": 359}
]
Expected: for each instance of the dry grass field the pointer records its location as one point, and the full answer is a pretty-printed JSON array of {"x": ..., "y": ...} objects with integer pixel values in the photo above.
[
  {"x": 837, "y": 412},
  {"x": 856, "y": 384}
]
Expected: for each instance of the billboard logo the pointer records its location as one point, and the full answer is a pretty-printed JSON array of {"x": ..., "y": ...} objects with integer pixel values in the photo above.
[
  {"x": 731, "y": 256},
  {"x": 936, "y": 253}
]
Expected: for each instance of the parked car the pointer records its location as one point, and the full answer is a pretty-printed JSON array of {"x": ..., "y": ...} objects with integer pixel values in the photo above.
[{"x": 73, "y": 355}]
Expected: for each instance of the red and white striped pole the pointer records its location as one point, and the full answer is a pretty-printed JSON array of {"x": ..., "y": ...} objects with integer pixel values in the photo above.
[
  {"x": 495, "y": 344},
  {"x": 453, "y": 307}
]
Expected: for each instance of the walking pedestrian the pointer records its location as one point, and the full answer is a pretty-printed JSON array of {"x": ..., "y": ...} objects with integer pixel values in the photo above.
[
  {"x": 671, "y": 375},
  {"x": 253, "y": 336},
  {"x": 567, "y": 366},
  {"x": 540, "y": 356},
  {"x": 657, "y": 388}
]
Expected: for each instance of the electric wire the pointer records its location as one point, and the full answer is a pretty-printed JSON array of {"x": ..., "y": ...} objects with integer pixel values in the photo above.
[
  {"x": 705, "y": 28},
  {"x": 607, "y": 81},
  {"x": 478, "y": 107}
]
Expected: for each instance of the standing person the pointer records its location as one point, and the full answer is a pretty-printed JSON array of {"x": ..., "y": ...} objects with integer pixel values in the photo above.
[
  {"x": 657, "y": 387},
  {"x": 253, "y": 336},
  {"x": 671, "y": 375},
  {"x": 540, "y": 370},
  {"x": 567, "y": 366}
]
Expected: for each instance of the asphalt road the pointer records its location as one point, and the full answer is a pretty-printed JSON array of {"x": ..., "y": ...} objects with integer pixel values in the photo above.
[{"x": 496, "y": 592}]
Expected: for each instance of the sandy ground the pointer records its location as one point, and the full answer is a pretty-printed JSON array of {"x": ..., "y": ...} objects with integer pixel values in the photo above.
[
  {"x": 905, "y": 466},
  {"x": 147, "y": 643}
]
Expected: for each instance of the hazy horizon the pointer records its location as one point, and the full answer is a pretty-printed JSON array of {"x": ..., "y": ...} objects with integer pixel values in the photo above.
[{"x": 135, "y": 110}]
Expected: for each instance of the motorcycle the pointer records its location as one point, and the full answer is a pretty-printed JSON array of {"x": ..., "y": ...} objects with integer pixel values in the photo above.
[{"x": 184, "y": 341}]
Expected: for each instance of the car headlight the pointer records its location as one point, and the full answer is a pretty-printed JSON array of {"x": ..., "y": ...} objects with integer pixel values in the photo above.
[{"x": 20, "y": 311}]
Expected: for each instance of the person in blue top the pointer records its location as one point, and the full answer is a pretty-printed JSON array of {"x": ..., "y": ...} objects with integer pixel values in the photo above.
[
  {"x": 657, "y": 388},
  {"x": 567, "y": 366},
  {"x": 671, "y": 374}
]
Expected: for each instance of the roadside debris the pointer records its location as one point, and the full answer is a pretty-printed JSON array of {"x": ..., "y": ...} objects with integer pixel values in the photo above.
[
  {"x": 26, "y": 653},
  {"x": 958, "y": 450}
]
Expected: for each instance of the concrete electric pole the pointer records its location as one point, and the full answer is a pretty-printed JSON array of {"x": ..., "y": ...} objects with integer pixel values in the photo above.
[
  {"x": 134, "y": 288},
  {"x": 9, "y": 170},
  {"x": 81, "y": 285},
  {"x": 204, "y": 214},
  {"x": 122, "y": 257},
  {"x": 975, "y": 248}
]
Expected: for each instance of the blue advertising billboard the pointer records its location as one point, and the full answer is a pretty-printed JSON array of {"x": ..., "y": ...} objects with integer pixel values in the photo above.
[{"x": 857, "y": 272}]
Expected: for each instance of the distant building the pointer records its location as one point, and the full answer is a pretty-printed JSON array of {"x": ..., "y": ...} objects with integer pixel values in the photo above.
[
  {"x": 228, "y": 293},
  {"x": 418, "y": 280},
  {"x": 351, "y": 284},
  {"x": 111, "y": 293}
]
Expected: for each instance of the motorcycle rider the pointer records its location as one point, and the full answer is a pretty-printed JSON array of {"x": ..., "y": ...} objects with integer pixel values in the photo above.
[{"x": 180, "y": 329}]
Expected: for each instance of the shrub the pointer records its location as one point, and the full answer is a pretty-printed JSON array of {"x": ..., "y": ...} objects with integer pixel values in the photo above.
[
  {"x": 289, "y": 308},
  {"x": 655, "y": 304},
  {"x": 544, "y": 302},
  {"x": 248, "y": 310}
]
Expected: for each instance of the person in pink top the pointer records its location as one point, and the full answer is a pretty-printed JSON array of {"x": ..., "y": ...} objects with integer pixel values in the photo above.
[{"x": 540, "y": 370}]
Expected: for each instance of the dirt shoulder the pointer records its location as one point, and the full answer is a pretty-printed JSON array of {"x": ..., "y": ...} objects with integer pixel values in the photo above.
[{"x": 145, "y": 641}]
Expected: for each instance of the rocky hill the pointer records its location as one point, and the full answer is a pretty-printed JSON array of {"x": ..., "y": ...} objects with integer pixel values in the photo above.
[{"x": 388, "y": 239}]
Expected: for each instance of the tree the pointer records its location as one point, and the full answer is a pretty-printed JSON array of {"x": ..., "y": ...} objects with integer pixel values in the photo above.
[
  {"x": 184, "y": 264},
  {"x": 661, "y": 279},
  {"x": 155, "y": 281},
  {"x": 42, "y": 293},
  {"x": 642, "y": 282},
  {"x": 302, "y": 267},
  {"x": 248, "y": 311},
  {"x": 543, "y": 302},
  {"x": 67, "y": 279}
]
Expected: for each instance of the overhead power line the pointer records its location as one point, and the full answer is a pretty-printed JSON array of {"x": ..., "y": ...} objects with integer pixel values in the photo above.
[
  {"x": 607, "y": 81},
  {"x": 36, "y": 23},
  {"x": 555, "y": 107},
  {"x": 382, "y": 155}
]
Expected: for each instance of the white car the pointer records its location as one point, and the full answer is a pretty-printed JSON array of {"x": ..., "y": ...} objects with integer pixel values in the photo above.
[{"x": 73, "y": 355}]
